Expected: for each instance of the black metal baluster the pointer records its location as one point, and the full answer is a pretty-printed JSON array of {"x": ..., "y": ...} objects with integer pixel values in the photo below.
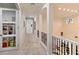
[
  {"x": 71, "y": 49},
  {"x": 64, "y": 48},
  {"x": 67, "y": 48},
  {"x": 76, "y": 50},
  {"x": 59, "y": 47}
]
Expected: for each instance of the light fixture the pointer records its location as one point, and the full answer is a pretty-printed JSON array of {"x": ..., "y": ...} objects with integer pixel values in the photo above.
[
  {"x": 59, "y": 8},
  {"x": 64, "y": 9},
  {"x": 72, "y": 10},
  {"x": 75, "y": 11},
  {"x": 68, "y": 9}
]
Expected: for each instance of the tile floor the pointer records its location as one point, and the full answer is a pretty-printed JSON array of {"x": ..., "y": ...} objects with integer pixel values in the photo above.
[{"x": 28, "y": 46}]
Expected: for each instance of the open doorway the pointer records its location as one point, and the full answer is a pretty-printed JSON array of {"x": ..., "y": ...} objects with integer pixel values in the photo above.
[{"x": 30, "y": 25}]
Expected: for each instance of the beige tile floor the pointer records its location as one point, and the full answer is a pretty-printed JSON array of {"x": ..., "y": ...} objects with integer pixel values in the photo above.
[{"x": 28, "y": 46}]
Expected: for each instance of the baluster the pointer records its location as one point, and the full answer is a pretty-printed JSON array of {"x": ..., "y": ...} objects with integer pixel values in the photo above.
[
  {"x": 76, "y": 50},
  {"x": 53, "y": 45},
  {"x": 59, "y": 47},
  {"x": 67, "y": 49},
  {"x": 71, "y": 49},
  {"x": 56, "y": 45},
  {"x": 62, "y": 48}
]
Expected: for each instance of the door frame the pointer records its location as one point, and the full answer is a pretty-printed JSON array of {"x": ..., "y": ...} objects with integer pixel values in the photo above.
[
  {"x": 34, "y": 20},
  {"x": 48, "y": 48}
]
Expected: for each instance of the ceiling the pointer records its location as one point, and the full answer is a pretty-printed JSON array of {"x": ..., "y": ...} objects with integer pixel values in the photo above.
[
  {"x": 31, "y": 8},
  {"x": 8, "y": 5},
  {"x": 64, "y": 14},
  {"x": 34, "y": 9}
]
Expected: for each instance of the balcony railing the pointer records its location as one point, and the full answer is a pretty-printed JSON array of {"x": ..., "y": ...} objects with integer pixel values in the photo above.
[{"x": 63, "y": 46}]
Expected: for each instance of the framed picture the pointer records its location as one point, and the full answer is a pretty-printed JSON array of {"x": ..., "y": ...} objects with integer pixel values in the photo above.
[{"x": 69, "y": 21}]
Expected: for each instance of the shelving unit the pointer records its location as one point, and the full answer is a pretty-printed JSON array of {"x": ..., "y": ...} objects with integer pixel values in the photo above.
[{"x": 8, "y": 29}]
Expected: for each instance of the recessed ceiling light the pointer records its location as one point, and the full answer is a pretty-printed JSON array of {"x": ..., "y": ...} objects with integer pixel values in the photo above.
[
  {"x": 59, "y": 8},
  {"x": 68, "y": 9},
  {"x": 64, "y": 9},
  {"x": 72, "y": 10},
  {"x": 75, "y": 11}
]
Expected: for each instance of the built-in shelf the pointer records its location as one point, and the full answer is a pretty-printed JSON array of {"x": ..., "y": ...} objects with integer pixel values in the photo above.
[
  {"x": 8, "y": 48},
  {"x": 9, "y": 22},
  {"x": 9, "y": 35},
  {"x": 8, "y": 39}
]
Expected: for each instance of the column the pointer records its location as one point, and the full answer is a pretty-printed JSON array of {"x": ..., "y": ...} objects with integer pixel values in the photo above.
[{"x": 49, "y": 29}]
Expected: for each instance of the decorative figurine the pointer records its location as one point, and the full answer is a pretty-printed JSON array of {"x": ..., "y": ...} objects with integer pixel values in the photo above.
[
  {"x": 4, "y": 43},
  {"x": 12, "y": 42}
]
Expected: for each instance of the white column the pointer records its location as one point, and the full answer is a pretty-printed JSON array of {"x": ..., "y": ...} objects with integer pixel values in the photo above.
[{"x": 49, "y": 30}]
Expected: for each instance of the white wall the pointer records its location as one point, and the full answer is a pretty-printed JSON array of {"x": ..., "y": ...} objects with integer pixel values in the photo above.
[{"x": 21, "y": 28}]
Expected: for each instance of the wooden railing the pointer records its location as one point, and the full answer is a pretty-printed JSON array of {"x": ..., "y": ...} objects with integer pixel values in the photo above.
[{"x": 63, "y": 46}]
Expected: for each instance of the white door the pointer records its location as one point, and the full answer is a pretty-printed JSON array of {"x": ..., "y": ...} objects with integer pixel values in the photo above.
[{"x": 29, "y": 25}]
